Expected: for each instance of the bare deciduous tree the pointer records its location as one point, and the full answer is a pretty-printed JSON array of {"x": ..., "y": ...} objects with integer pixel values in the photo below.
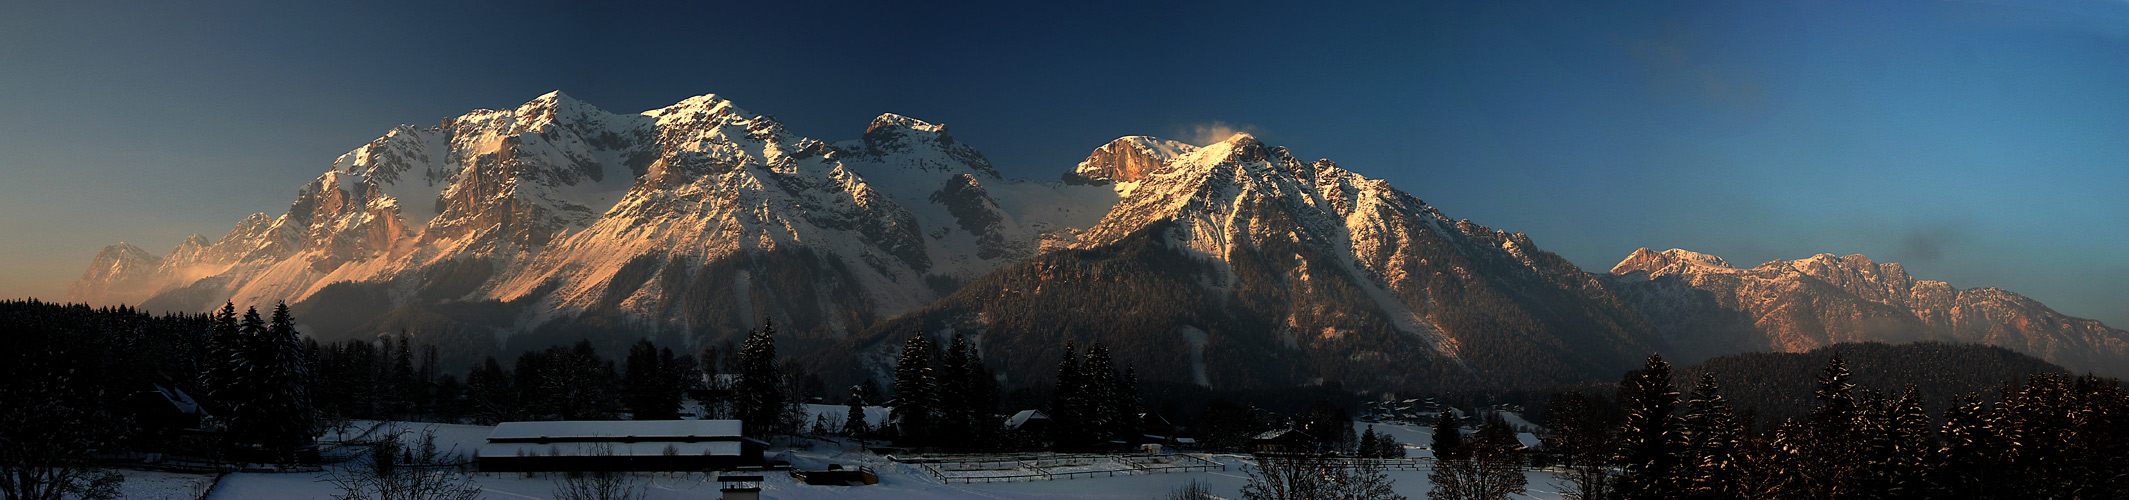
[
  {"x": 1311, "y": 477},
  {"x": 46, "y": 442},
  {"x": 603, "y": 485},
  {"x": 1193, "y": 490},
  {"x": 395, "y": 471}
]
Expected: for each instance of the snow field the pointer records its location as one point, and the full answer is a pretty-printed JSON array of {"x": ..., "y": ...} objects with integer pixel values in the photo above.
[{"x": 897, "y": 480}]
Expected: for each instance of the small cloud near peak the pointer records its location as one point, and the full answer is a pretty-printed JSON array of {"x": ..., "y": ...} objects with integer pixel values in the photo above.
[{"x": 1204, "y": 134}]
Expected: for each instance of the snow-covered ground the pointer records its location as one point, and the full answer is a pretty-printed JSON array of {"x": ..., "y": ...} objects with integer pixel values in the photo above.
[
  {"x": 158, "y": 485},
  {"x": 896, "y": 480}
]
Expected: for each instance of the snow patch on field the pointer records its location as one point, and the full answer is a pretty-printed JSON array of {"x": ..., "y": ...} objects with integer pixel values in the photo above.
[{"x": 897, "y": 480}]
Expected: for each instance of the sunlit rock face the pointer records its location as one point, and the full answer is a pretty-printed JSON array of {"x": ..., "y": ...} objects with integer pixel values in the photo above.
[
  {"x": 691, "y": 222},
  {"x": 1704, "y": 307},
  {"x": 1230, "y": 264}
]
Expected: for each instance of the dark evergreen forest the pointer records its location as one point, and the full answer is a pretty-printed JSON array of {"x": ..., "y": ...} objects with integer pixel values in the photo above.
[{"x": 86, "y": 386}]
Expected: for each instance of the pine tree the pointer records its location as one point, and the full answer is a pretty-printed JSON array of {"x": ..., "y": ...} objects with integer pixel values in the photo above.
[
  {"x": 1067, "y": 408},
  {"x": 956, "y": 406},
  {"x": 271, "y": 408},
  {"x": 401, "y": 386},
  {"x": 1966, "y": 458},
  {"x": 1713, "y": 466},
  {"x": 1102, "y": 407},
  {"x": 760, "y": 389},
  {"x": 1914, "y": 448},
  {"x": 1649, "y": 440},
  {"x": 914, "y": 391},
  {"x": 1131, "y": 404},
  {"x": 219, "y": 377},
  {"x": 854, "y": 414},
  {"x": 1828, "y": 462},
  {"x": 1498, "y": 438},
  {"x": 1370, "y": 446},
  {"x": 489, "y": 391},
  {"x": 651, "y": 384},
  {"x": 1449, "y": 438},
  {"x": 986, "y": 428}
]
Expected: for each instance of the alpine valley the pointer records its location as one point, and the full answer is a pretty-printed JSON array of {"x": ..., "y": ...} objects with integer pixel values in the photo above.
[{"x": 1228, "y": 265}]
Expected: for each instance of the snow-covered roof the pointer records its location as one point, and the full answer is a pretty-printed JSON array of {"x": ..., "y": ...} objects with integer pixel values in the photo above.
[
  {"x": 628, "y": 449},
  {"x": 1277, "y": 433},
  {"x": 177, "y": 398},
  {"x": 607, "y": 430},
  {"x": 1530, "y": 441},
  {"x": 1023, "y": 417}
]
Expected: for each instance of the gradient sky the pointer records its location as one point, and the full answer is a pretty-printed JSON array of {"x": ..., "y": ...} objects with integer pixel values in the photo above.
[{"x": 1979, "y": 143}]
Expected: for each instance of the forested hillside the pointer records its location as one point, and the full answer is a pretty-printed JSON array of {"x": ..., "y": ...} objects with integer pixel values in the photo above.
[{"x": 1778, "y": 385}]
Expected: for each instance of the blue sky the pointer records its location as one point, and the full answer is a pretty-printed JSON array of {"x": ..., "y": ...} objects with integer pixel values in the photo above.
[{"x": 1980, "y": 143}]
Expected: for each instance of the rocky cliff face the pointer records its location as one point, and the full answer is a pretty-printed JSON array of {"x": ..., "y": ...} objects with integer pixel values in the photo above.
[
  {"x": 1233, "y": 264},
  {"x": 690, "y": 223},
  {"x": 1704, "y": 307},
  {"x": 1236, "y": 264}
]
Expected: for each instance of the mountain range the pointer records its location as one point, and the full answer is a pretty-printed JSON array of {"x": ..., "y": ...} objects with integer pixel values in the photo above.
[{"x": 1231, "y": 264}]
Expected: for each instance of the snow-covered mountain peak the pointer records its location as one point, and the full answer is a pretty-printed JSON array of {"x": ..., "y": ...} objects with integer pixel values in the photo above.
[
  {"x": 1241, "y": 138},
  {"x": 1669, "y": 262},
  {"x": 895, "y": 121},
  {"x": 1128, "y": 160},
  {"x": 115, "y": 276},
  {"x": 124, "y": 252},
  {"x": 905, "y": 153}
]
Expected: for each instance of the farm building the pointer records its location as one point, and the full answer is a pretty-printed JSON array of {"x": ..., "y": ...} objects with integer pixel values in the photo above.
[
  {"x": 1283, "y": 441},
  {"x": 620, "y": 445}
]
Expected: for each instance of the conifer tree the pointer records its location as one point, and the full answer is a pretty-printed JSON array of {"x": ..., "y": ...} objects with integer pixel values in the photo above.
[
  {"x": 986, "y": 429},
  {"x": 489, "y": 390},
  {"x": 1449, "y": 438},
  {"x": 956, "y": 404},
  {"x": 915, "y": 395},
  {"x": 1067, "y": 406},
  {"x": 1914, "y": 448},
  {"x": 401, "y": 385},
  {"x": 1649, "y": 440},
  {"x": 1713, "y": 466},
  {"x": 651, "y": 384},
  {"x": 1132, "y": 404},
  {"x": 1370, "y": 445},
  {"x": 1497, "y": 438},
  {"x": 271, "y": 408},
  {"x": 1966, "y": 459},
  {"x": 219, "y": 377},
  {"x": 1872, "y": 447},
  {"x": 1101, "y": 401},
  {"x": 246, "y": 390},
  {"x": 760, "y": 389},
  {"x": 854, "y": 414},
  {"x": 1828, "y": 460}
]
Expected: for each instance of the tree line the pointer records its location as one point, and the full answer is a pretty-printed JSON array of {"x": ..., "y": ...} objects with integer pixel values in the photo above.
[
  {"x": 80, "y": 384},
  {"x": 2049, "y": 435},
  {"x": 950, "y": 400}
]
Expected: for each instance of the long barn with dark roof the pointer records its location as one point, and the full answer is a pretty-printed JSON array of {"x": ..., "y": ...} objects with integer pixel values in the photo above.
[{"x": 619, "y": 445}]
